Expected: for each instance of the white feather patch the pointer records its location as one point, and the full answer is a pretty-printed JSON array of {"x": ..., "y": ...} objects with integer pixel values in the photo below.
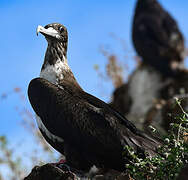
[
  {"x": 45, "y": 130},
  {"x": 54, "y": 73}
]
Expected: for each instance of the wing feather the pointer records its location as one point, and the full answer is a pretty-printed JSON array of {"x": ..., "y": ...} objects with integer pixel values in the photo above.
[{"x": 85, "y": 122}]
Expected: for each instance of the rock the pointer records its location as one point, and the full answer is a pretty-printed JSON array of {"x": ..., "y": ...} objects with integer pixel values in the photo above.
[{"x": 51, "y": 172}]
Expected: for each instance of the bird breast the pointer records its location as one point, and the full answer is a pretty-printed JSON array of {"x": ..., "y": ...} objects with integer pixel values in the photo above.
[{"x": 54, "y": 73}]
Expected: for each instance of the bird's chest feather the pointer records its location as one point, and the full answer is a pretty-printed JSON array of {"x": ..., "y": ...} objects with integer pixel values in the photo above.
[{"x": 54, "y": 72}]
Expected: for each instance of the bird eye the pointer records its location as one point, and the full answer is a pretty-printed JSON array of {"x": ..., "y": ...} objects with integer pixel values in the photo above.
[{"x": 61, "y": 29}]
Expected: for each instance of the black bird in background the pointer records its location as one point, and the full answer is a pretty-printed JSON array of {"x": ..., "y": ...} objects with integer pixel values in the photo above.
[
  {"x": 157, "y": 38},
  {"x": 80, "y": 126}
]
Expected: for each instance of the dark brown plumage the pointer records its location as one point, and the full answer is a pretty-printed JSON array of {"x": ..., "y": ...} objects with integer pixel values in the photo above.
[
  {"x": 80, "y": 126},
  {"x": 156, "y": 37},
  {"x": 92, "y": 131}
]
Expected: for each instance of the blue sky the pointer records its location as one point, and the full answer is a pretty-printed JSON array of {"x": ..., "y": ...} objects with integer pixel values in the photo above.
[{"x": 89, "y": 24}]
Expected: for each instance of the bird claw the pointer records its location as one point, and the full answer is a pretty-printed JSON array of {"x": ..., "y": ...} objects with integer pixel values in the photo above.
[{"x": 64, "y": 167}]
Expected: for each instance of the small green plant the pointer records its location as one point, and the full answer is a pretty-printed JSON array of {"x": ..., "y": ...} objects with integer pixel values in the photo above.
[{"x": 172, "y": 155}]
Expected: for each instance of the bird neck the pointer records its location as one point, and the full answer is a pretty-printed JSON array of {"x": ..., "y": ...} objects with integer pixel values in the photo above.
[
  {"x": 55, "y": 51},
  {"x": 55, "y": 65}
]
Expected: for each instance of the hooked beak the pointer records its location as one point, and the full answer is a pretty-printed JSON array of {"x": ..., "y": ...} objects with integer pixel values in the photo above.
[{"x": 50, "y": 32}]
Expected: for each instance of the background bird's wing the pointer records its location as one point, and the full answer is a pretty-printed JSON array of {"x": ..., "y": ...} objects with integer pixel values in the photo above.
[
  {"x": 160, "y": 32},
  {"x": 175, "y": 37},
  {"x": 149, "y": 30}
]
